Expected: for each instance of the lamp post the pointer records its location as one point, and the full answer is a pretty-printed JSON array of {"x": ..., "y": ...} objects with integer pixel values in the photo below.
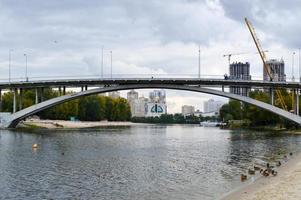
[
  {"x": 101, "y": 71},
  {"x": 111, "y": 52},
  {"x": 293, "y": 78},
  {"x": 199, "y": 61},
  {"x": 9, "y": 64},
  {"x": 26, "y": 76}
]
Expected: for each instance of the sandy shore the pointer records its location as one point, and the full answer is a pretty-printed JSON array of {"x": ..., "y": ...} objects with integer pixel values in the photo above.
[
  {"x": 286, "y": 185},
  {"x": 55, "y": 124}
]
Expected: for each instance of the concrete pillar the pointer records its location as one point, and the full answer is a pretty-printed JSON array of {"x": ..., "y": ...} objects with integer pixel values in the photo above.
[
  {"x": 272, "y": 96},
  {"x": 0, "y": 100},
  {"x": 37, "y": 96},
  {"x": 223, "y": 88},
  {"x": 297, "y": 101},
  {"x": 64, "y": 90},
  {"x": 86, "y": 87},
  {"x": 15, "y": 100},
  {"x": 21, "y": 99},
  {"x": 42, "y": 94},
  {"x": 60, "y": 91}
]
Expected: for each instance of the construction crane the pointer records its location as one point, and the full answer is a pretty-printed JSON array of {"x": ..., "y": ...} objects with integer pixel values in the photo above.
[
  {"x": 264, "y": 58},
  {"x": 237, "y": 54}
]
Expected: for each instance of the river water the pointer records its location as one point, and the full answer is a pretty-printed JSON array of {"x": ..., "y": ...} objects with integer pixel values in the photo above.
[{"x": 137, "y": 162}]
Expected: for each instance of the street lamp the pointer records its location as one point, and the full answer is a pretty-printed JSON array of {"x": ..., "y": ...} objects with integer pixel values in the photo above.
[
  {"x": 293, "y": 78},
  {"x": 9, "y": 64},
  {"x": 26, "y": 77},
  {"x": 111, "y": 52},
  {"x": 101, "y": 62}
]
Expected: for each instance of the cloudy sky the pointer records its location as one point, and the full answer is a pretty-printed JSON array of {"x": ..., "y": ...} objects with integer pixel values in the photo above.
[{"x": 154, "y": 38}]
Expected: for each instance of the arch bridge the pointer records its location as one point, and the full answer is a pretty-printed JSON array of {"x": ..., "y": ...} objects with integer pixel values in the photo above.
[{"x": 212, "y": 86}]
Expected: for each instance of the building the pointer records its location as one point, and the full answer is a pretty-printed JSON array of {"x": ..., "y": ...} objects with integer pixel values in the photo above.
[
  {"x": 212, "y": 106},
  {"x": 132, "y": 95},
  {"x": 240, "y": 71},
  {"x": 157, "y": 96},
  {"x": 157, "y": 104},
  {"x": 187, "y": 110},
  {"x": 276, "y": 68},
  {"x": 114, "y": 94}
]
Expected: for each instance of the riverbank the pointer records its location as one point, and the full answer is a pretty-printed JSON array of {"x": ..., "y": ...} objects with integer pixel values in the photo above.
[
  {"x": 286, "y": 185},
  {"x": 62, "y": 124}
]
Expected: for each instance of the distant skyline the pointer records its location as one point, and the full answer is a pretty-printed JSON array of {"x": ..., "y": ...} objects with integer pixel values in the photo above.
[{"x": 65, "y": 38}]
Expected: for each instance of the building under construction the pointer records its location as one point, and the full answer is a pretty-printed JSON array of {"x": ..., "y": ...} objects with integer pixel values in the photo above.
[
  {"x": 240, "y": 71},
  {"x": 276, "y": 68}
]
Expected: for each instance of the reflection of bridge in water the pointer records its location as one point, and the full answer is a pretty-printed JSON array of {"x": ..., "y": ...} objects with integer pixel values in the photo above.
[{"x": 209, "y": 86}]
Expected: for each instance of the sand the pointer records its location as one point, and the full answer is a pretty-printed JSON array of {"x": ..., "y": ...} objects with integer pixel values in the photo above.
[
  {"x": 56, "y": 124},
  {"x": 286, "y": 185}
]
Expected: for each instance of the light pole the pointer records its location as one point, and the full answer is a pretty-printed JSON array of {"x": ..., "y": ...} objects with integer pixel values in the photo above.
[
  {"x": 111, "y": 52},
  {"x": 9, "y": 64},
  {"x": 299, "y": 65},
  {"x": 101, "y": 62},
  {"x": 293, "y": 78},
  {"x": 199, "y": 61},
  {"x": 26, "y": 76}
]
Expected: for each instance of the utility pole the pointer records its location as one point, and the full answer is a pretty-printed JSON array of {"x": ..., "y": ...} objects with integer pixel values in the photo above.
[{"x": 199, "y": 61}]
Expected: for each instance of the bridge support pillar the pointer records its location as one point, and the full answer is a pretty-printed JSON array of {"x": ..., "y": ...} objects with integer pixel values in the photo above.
[
  {"x": 86, "y": 87},
  {"x": 272, "y": 96},
  {"x": 296, "y": 101},
  {"x": 60, "y": 91},
  {"x": 42, "y": 94},
  {"x": 64, "y": 90},
  {"x": 15, "y": 100},
  {"x": 223, "y": 88},
  {"x": 21, "y": 99},
  {"x": 82, "y": 88},
  {"x": 0, "y": 100},
  {"x": 37, "y": 96}
]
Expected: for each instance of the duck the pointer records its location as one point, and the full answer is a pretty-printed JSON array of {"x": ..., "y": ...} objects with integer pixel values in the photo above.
[
  {"x": 251, "y": 171},
  {"x": 34, "y": 146},
  {"x": 278, "y": 164},
  {"x": 291, "y": 153},
  {"x": 243, "y": 177},
  {"x": 268, "y": 165},
  {"x": 256, "y": 168},
  {"x": 274, "y": 173},
  {"x": 265, "y": 173}
]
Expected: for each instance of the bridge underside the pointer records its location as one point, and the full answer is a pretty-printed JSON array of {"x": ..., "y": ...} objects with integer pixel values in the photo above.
[{"x": 15, "y": 118}]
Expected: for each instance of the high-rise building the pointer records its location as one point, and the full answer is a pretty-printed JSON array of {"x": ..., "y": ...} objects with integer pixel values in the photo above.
[
  {"x": 187, "y": 110},
  {"x": 114, "y": 94},
  {"x": 212, "y": 106},
  {"x": 132, "y": 95},
  {"x": 240, "y": 71},
  {"x": 276, "y": 68},
  {"x": 157, "y": 96},
  {"x": 157, "y": 103}
]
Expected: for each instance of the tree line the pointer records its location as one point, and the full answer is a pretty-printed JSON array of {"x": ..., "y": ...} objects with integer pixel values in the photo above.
[
  {"x": 236, "y": 110},
  {"x": 91, "y": 108}
]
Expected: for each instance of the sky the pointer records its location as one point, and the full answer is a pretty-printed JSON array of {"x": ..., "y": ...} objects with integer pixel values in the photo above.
[{"x": 64, "y": 38}]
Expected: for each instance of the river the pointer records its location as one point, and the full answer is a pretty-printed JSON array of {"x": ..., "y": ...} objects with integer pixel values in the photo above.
[{"x": 137, "y": 162}]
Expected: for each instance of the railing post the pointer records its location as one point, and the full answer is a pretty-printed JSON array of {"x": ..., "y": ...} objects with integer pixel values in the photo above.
[{"x": 15, "y": 100}]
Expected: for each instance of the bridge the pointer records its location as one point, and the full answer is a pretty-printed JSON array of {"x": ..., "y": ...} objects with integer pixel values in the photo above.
[{"x": 92, "y": 86}]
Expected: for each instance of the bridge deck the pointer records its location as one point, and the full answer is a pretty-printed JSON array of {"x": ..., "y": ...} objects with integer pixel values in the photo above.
[{"x": 122, "y": 81}]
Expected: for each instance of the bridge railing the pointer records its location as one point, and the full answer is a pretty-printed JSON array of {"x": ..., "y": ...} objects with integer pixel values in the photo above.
[{"x": 115, "y": 76}]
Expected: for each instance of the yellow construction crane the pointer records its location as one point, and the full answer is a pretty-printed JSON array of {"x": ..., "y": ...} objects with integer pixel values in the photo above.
[{"x": 264, "y": 58}]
